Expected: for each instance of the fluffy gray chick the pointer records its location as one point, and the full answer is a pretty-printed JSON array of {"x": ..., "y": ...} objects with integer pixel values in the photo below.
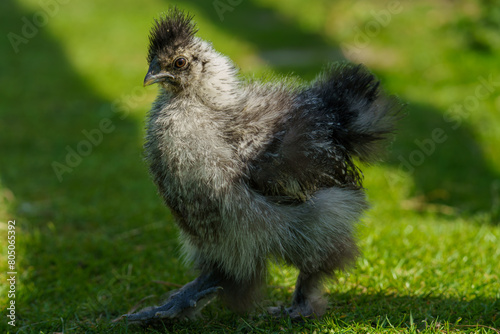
[{"x": 253, "y": 171}]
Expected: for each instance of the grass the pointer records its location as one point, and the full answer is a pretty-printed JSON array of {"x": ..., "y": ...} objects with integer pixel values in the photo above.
[{"x": 93, "y": 242}]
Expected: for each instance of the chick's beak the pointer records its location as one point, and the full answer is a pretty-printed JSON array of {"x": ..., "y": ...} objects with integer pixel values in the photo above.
[{"x": 156, "y": 74}]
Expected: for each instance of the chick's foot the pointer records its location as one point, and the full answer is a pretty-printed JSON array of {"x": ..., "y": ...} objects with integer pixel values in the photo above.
[{"x": 184, "y": 304}]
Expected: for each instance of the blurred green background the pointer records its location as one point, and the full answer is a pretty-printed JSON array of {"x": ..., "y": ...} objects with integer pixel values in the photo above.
[{"x": 93, "y": 236}]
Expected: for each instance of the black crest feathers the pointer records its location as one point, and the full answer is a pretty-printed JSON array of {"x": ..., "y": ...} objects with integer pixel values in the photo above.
[{"x": 171, "y": 30}]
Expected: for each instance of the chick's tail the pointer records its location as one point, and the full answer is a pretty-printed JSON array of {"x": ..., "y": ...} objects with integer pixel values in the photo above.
[{"x": 364, "y": 117}]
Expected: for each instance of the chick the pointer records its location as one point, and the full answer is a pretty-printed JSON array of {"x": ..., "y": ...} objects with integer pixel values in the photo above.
[{"x": 254, "y": 171}]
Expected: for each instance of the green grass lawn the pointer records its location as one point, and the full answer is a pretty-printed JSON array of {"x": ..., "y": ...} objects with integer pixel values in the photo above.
[{"x": 93, "y": 239}]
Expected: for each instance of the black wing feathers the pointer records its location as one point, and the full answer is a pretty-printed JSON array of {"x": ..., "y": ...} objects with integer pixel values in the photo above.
[
  {"x": 366, "y": 116},
  {"x": 341, "y": 115}
]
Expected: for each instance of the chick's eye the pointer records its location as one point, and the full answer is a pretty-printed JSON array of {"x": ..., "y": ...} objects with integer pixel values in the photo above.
[{"x": 180, "y": 62}]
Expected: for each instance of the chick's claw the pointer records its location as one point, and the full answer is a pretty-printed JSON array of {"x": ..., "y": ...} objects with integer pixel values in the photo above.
[{"x": 142, "y": 316}]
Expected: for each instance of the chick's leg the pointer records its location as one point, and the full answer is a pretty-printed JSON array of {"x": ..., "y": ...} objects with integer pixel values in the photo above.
[
  {"x": 187, "y": 302},
  {"x": 308, "y": 297},
  {"x": 308, "y": 300}
]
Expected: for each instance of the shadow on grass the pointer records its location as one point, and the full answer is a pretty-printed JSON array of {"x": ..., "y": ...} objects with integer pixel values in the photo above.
[
  {"x": 356, "y": 311},
  {"x": 450, "y": 171},
  {"x": 383, "y": 310}
]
